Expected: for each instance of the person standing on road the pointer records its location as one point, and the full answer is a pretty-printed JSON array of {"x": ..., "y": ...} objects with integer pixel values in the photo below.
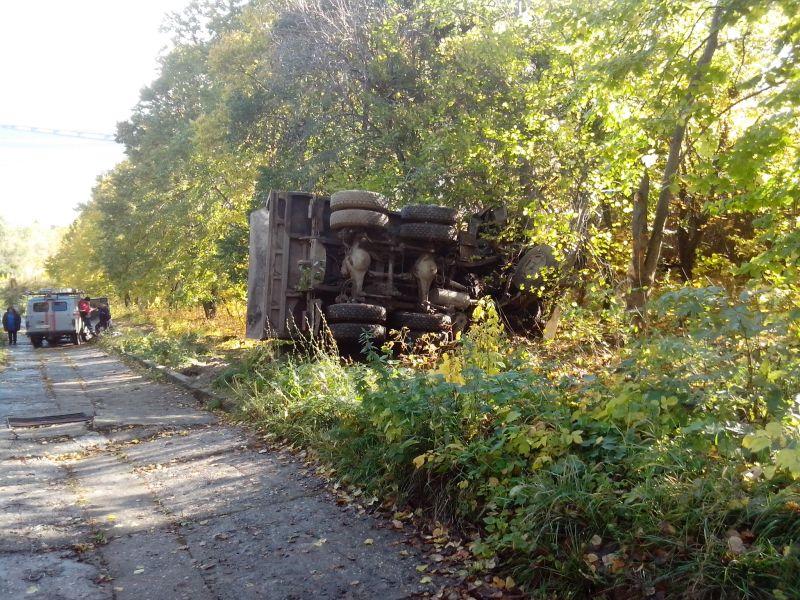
[
  {"x": 11, "y": 323},
  {"x": 85, "y": 308}
]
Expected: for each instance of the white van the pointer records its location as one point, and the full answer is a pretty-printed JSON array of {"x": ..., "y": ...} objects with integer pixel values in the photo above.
[{"x": 52, "y": 316}]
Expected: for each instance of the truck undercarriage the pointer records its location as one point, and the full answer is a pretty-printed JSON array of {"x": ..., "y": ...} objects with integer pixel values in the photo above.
[{"x": 348, "y": 264}]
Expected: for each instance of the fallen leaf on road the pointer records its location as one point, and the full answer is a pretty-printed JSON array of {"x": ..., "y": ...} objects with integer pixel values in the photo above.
[
  {"x": 138, "y": 570},
  {"x": 319, "y": 542},
  {"x": 397, "y": 524},
  {"x": 422, "y": 568},
  {"x": 425, "y": 580},
  {"x": 369, "y": 541}
]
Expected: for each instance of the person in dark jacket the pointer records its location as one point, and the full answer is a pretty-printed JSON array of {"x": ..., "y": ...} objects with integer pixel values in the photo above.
[
  {"x": 104, "y": 316},
  {"x": 11, "y": 323}
]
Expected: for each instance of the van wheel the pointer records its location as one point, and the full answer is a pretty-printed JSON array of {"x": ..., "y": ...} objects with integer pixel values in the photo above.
[{"x": 36, "y": 341}]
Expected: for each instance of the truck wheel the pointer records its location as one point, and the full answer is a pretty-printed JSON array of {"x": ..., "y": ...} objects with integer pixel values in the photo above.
[
  {"x": 353, "y": 217},
  {"x": 422, "y": 322},
  {"x": 358, "y": 199},
  {"x": 356, "y": 313},
  {"x": 352, "y": 332},
  {"x": 427, "y": 232},
  {"x": 428, "y": 213},
  {"x": 36, "y": 341}
]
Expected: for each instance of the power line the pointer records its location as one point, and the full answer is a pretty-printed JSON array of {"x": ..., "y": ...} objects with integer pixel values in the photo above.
[{"x": 84, "y": 135}]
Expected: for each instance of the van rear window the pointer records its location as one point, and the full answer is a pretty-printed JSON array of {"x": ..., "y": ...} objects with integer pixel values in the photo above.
[
  {"x": 59, "y": 306},
  {"x": 40, "y": 307}
]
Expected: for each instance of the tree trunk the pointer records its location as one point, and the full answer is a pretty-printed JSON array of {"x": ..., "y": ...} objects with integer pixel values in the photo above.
[
  {"x": 210, "y": 309},
  {"x": 643, "y": 268},
  {"x": 637, "y": 280},
  {"x": 210, "y": 305},
  {"x": 689, "y": 234}
]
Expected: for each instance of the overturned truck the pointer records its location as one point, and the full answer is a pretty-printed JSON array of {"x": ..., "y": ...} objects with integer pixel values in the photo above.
[{"x": 348, "y": 264}]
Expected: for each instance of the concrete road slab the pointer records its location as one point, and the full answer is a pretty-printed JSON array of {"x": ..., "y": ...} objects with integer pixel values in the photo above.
[
  {"x": 161, "y": 501},
  {"x": 49, "y": 576}
]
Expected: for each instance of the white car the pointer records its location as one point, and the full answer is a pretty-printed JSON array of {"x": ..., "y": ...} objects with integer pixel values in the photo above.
[{"x": 53, "y": 316}]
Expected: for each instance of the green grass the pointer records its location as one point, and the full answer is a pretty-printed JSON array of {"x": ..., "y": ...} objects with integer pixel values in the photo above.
[{"x": 171, "y": 351}]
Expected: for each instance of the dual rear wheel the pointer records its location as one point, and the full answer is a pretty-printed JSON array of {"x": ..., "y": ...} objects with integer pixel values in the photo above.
[
  {"x": 351, "y": 322},
  {"x": 353, "y": 209}
]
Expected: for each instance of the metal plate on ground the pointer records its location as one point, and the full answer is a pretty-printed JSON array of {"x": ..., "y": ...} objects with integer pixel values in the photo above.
[{"x": 80, "y": 417}]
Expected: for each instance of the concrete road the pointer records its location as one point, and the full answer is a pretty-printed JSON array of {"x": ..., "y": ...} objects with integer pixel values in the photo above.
[{"x": 160, "y": 501}]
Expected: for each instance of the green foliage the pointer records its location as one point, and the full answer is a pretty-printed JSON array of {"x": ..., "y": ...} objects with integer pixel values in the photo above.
[
  {"x": 553, "y": 109},
  {"x": 673, "y": 469},
  {"x": 297, "y": 398},
  {"x": 168, "y": 350}
]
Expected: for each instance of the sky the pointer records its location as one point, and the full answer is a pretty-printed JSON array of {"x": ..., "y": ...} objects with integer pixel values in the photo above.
[{"x": 69, "y": 65}]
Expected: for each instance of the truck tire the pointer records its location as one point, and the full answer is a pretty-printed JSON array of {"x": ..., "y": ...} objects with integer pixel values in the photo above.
[
  {"x": 352, "y": 332},
  {"x": 427, "y": 232},
  {"x": 353, "y": 217},
  {"x": 421, "y": 322},
  {"x": 356, "y": 313},
  {"x": 428, "y": 213},
  {"x": 358, "y": 199},
  {"x": 36, "y": 341}
]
